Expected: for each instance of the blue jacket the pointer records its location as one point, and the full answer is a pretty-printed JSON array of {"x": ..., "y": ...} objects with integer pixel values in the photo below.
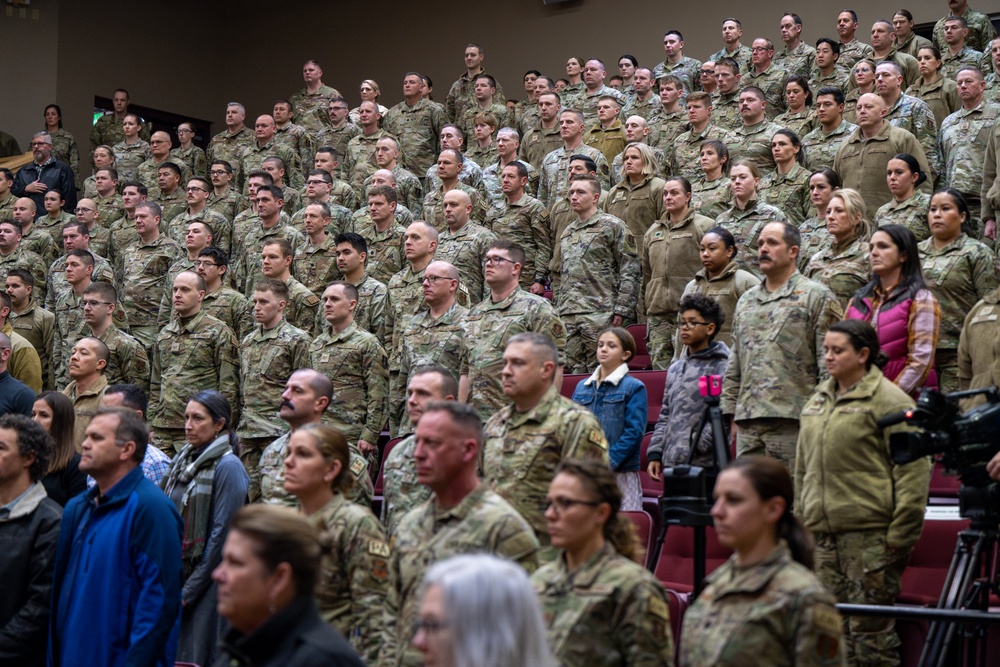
[
  {"x": 116, "y": 592},
  {"x": 619, "y": 404}
]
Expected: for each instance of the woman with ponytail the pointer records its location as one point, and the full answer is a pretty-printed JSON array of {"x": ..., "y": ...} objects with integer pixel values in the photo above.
[
  {"x": 602, "y": 607},
  {"x": 765, "y": 606},
  {"x": 865, "y": 510}
]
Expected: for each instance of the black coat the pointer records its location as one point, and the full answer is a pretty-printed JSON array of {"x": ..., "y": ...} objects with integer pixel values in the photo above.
[
  {"x": 27, "y": 549},
  {"x": 296, "y": 635},
  {"x": 56, "y": 175}
]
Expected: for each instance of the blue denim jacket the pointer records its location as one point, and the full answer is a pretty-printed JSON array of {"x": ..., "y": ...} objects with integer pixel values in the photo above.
[{"x": 619, "y": 404}]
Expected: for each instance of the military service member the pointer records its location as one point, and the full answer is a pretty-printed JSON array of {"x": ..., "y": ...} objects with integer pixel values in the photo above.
[
  {"x": 86, "y": 382},
  {"x": 685, "y": 156},
  {"x": 461, "y": 94},
  {"x": 555, "y": 173},
  {"x": 107, "y": 129},
  {"x": 644, "y": 102},
  {"x": 851, "y": 48},
  {"x": 30, "y": 320},
  {"x": 676, "y": 63},
  {"x": 312, "y": 100},
  {"x": 229, "y": 144},
  {"x": 726, "y": 99},
  {"x": 448, "y": 175},
  {"x": 302, "y": 306},
  {"x": 417, "y": 122},
  {"x": 797, "y": 57},
  {"x": 191, "y": 155},
  {"x": 373, "y": 296},
  {"x": 766, "y": 76},
  {"x": 14, "y": 255},
  {"x": 197, "y": 192},
  {"x": 544, "y": 137},
  {"x": 828, "y": 71},
  {"x": 269, "y": 354},
  {"x": 270, "y": 224},
  {"x": 336, "y": 133},
  {"x": 822, "y": 143},
  {"x": 384, "y": 235},
  {"x": 159, "y": 148},
  {"x": 752, "y": 140},
  {"x": 732, "y": 31},
  {"x": 360, "y": 159},
  {"x": 128, "y": 362},
  {"x": 463, "y": 243},
  {"x": 69, "y": 312},
  {"x": 195, "y": 351},
  {"x": 908, "y": 112},
  {"x": 522, "y": 219},
  {"x": 315, "y": 263},
  {"x": 484, "y": 88},
  {"x": 981, "y": 31},
  {"x": 409, "y": 188},
  {"x": 507, "y": 144},
  {"x": 292, "y": 135},
  {"x": 222, "y": 302},
  {"x": 224, "y": 198}
]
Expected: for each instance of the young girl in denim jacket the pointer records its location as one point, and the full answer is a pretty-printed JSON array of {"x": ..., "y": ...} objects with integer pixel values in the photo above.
[{"x": 619, "y": 402}]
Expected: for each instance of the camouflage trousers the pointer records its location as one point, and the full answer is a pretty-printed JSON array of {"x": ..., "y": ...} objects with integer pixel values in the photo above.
[
  {"x": 582, "y": 332},
  {"x": 768, "y": 437},
  {"x": 946, "y": 362},
  {"x": 170, "y": 440},
  {"x": 660, "y": 333},
  {"x": 146, "y": 336},
  {"x": 250, "y": 452},
  {"x": 858, "y": 567}
]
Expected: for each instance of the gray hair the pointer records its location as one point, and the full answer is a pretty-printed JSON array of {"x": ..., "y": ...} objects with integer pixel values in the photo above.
[
  {"x": 492, "y": 612},
  {"x": 45, "y": 136}
]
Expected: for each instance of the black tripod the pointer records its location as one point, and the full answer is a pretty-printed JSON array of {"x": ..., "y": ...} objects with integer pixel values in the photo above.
[
  {"x": 687, "y": 489},
  {"x": 972, "y": 575}
]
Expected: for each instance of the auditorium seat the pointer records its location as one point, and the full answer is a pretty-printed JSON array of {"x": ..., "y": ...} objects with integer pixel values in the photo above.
[
  {"x": 675, "y": 565},
  {"x": 643, "y": 523},
  {"x": 677, "y": 603},
  {"x": 656, "y": 382},
  {"x": 924, "y": 577},
  {"x": 569, "y": 383},
  {"x": 650, "y": 487},
  {"x": 641, "y": 361},
  {"x": 378, "y": 496}
]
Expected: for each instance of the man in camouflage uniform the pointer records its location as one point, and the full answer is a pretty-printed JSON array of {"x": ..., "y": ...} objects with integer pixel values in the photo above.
[
  {"x": 963, "y": 138},
  {"x": 384, "y": 235},
  {"x": 608, "y": 135},
  {"x": 461, "y": 94},
  {"x": 432, "y": 337},
  {"x": 7, "y": 198},
  {"x": 197, "y": 192},
  {"x": 143, "y": 279},
  {"x": 269, "y": 354},
  {"x": 315, "y": 263},
  {"x": 822, "y": 143},
  {"x": 352, "y": 255},
  {"x": 671, "y": 122},
  {"x": 197, "y": 238},
  {"x": 676, "y": 63},
  {"x": 68, "y": 311},
  {"x": 360, "y": 159},
  {"x": 526, "y": 440},
  {"x": 958, "y": 53},
  {"x": 554, "y": 182},
  {"x": 484, "y": 88},
  {"x": 33, "y": 237},
  {"x": 686, "y": 154},
  {"x": 851, "y": 48},
  {"x": 269, "y": 224},
  {"x": 87, "y": 213},
  {"x": 524, "y": 220},
  {"x": 545, "y": 137},
  {"x": 355, "y": 362},
  {"x": 463, "y": 243},
  {"x": 194, "y": 352},
  {"x": 471, "y": 173},
  {"x": 302, "y": 306},
  {"x": 884, "y": 49},
  {"x": 448, "y": 174},
  {"x": 128, "y": 362},
  {"x": 797, "y": 57},
  {"x": 752, "y": 140},
  {"x": 168, "y": 193},
  {"x": 147, "y": 173},
  {"x": 417, "y": 122},
  {"x": 828, "y": 73},
  {"x": 645, "y": 102},
  {"x": 508, "y": 310},
  {"x": 401, "y": 491},
  {"x": 981, "y": 31},
  {"x": 275, "y": 166},
  {"x": 14, "y": 255},
  {"x": 229, "y": 144},
  {"x": 224, "y": 198},
  {"x": 107, "y": 131},
  {"x": 123, "y": 233},
  {"x": 409, "y": 188},
  {"x": 507, "y": 144},
  {"x": 336, "y": 133},
  {"x": 462, "y": 516},
  {"x": 732, "y": 31},
  {"x": 222, "y": 302},
  {"x": 779, "y": 324},
  {"x": 599, "y": 282},
  {"x": 909, "y": 113},
  {"x": 292, "y": 135},
  {"x": 265, "y": 146},
  {"x": 726, "y": 98},
  {"x": 75, "y": 238},
  {"x": 766, "y": 76},
  {"x": 311, "y": 100},
  {"x": 30, "y": 320},
  {"x": 593, "y": 79},
  {"x": 320, "y": 187}
]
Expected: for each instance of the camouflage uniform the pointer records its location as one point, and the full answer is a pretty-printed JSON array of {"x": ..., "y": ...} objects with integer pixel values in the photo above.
[
  {"x": 539, "y": 142},
  {"x": 129, "y": 363},
  {"x": 963, "y": 138},
  {"x": 839, "y": 77},
  {"x": 801, "y": 123},
  {"x": 401, "y": 490},
  {"x": 950, "y": 64},
  {"x": 726, "y": 288},
  {"x": 686, "y": 154},
  {"x": 521, "y": 451},
  {"x": 385, "y": 248},
  {"x": 471, "y": 174},
  {"x": 300, "y": 141},
  {"x": 232, "y": 308},
  {"x": 526, "y": 116},
  {"x": 229, "y": 205},
  {"x": 409, "y": 192},
  {"x": 977, "y": 359},
  {"x": 70, "y": 328},
  {"x": 434, "y": 205},
  {"x": 143, "y": 281},
  {"x": 354, "y": 576},
  {"x": 772, "y": 82},
  {"x": 526, "y": 222},
  {"x": 85, "y": 405},
  {"x": 783, "y": 329},
  {"x": 360, "y": 159},
  {"x": 753, "y": 142},
  {"x": 554, "y": 181},
  {"x": 370, "y": 311},
  {"x": 688, "y": 70},
  {"x": 651, "y": 110},
  {"x": 821, "y": 147},
  {"x": 814, "y": 237},
  {"x": 663, "y": 136},
  {"x": 913, "y": 115},
  {"x": 405, "y": 299},
  {"x": 482, "y": 156},
  {"x": 468, "y": 116},
  {"x": 711, "y": 198},
  {"x": 303, "y": 308},
  {"x": 959, "y": 274},
  {"x": 22, "y": 258},
  {"x": 461, "y": 96},
  {"x": 776, "y": 612},
  {"x": 941, "y": 96},
  {"x": 355, "y": 362},
  {"x": 340, "y": 218},
  {"x": 852, "y": 52},
  {"x": 745, "y": 226},
  {"x": 607, "y": 612},
  {"x": 193, "y": 157},
  {"x": 788, "y": 193},
  {"x": 570, "y": 96},
  {"x": 7, "y": 206},
  {"x": 801, "y": 60},
  {"x": 483, "y": 522},
  {"x": 253, "y": 157},
  {"x": 42, "y": 244},
  {"x": 172, "y": 204},
  {"x": 981, "y": 31},
  {"x": 726, "y": 110},
  {"x": 599, "y": 278},
  {"x": 418, "y": 128},
  {"x": 229, "y": 147},
  {"x": 147, "y": 172},
  {"x": 108, "y": 209},
  {"x": 337, "y": 138},
  {"x": 123, "y": 236},
  {"x": 108, "y": 130},
  {"x": 492, "y": 174},
  {"x": 465, "y": 249},
  {"x": 37, "y": 326},
  {"x": 670, "y": 258},
  {"x": 316, "y": 265},
  {"x": 51, "y": 226},
  {"x": 843, "y": 268},
  {"x": 57, "y": 284},
  {"x": 911, "y": 213},
  {"x": 128, "y": 157},
  {"x": 272, "y": 475},
  {"x": 64, "y": 150},
  {"x": 310, "y": 108},
  {"x": 588, "y": 102},
  {"x": 189, "y": 355},
  {"x": 742, "y": 55},
  {"x": 222, "y": 227},
  {"x": 247, "y": 249}
]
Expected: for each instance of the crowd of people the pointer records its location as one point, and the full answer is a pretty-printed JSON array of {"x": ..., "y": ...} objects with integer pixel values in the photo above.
[{"x": 201, "y": 352}]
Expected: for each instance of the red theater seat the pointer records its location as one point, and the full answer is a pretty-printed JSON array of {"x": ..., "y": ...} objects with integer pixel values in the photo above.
[
  {"x": 656, "y": 382},
  {"x": 643, "y": 523},
  {"x": 675, "y": 565},
  {"x": 651, "y": 488},
  {"x": 641, "y": 361}
]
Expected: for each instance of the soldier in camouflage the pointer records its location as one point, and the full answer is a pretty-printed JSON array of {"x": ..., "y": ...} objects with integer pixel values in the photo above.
[
  {"x": 310, "y": 102},
  {"x": 726, "y": 98},
  {"x": 131, "y": 151},
  {"x": 711, "y": 193},
  {"x": 522, "y": 219},
  {"x": 269, "y": 224},
  {"x": 787, "y": 187},
  {"x": 763, "y": 404},
  {"x": 448, "y": 175},
  {"x": 128, "y": 362},
  {"x": 195, "y": 351},
  {"x": 484, "y": 88},
  {"x": 554, "y": 183},
  {"x": 13, "y": 254},
  {"x": 188, "y": 153},
  {"x": 797, "y": 56},
  {"x": 292, "y": 135},
  {"x": 544, "y": 137},
  {"x": 336, "y": 133},
  {"x": 908, "y": 113},
  {"x": 221, "y": 301},
  {"x": 417, "y": 122},
  {"x": 685, "y": 156},
  {"x": 463, "y": 243},
  {"x": 29, "y": 320},
  {"x": 315, "y": 263},
  {"x": 688, "y": 70},
  {"x": 645, "y": 102},
  {"x": 464, "y": 515},
  {"x": 461, "y": 95},
  {"x": 672, "y": 121},
  {"x": 851, "y": 48},
  {"x": 68, "y": 310},
  {"x": 507, "y": 145},
  {"x": 159, "y": 149},
  {"x": 264, "y": 146},
  {"x": 732, "y": 31},
  {"x": 360, "y": 159},
  {"x": 766, "y": 76},
  {"x": 197, "y": 192},
  {"x": 822, "y": 143},
  {"x": 352, "y": 254},
  {"x": 383, "y": 235},
  {"x": 229, "y": 144},
  {"x": 752, "y": 139},
  {"x": 107, "y": 129}
]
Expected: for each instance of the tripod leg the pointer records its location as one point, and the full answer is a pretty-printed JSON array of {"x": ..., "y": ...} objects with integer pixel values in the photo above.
[{"x": 963, "y": 569}]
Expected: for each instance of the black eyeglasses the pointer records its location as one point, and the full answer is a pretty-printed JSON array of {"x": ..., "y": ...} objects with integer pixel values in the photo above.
[
  {"x": 690, "y": 324},
  {"x": 434, "y": 279},
  {"x": 495, "y": 259}
]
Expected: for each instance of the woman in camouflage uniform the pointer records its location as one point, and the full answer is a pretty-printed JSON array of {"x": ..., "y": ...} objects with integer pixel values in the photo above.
[
  {"x": 863, "y": 78},
  {"x": 748, "y": 215},
  {"x": 823, "y": 183},
  {"x": 104, "y": 156},
  {"x": 711, "y": 194},
  {"x": 354, "y": 573},
  {"x": 842, "y": 264},
  {"x": 940, "y": 92},
  {"x": 800, "y": 117},
  {"x": 908, "y": 206},
  {"x": 131, "y": 151},
  {"x": 64, "y": 146},
  {"x": 787, "y": 187},
  {"x": 764, "y": 606}
]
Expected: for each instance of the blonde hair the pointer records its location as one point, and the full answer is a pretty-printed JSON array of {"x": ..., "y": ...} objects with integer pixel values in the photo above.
[{"x": 332, "y": 446}]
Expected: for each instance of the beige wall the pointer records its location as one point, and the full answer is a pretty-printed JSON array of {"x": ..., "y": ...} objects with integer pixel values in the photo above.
[{"x": 80, "y": 48}]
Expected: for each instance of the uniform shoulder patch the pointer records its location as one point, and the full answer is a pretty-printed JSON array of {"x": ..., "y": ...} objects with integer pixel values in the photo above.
[
  {"x": 357, "y": 466},
  {"x": 378, "y": 548},
  {"x": 658, "y": 607},
  {"x": 312, "y": 300},
  {"x": 596, "y": 437}
]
